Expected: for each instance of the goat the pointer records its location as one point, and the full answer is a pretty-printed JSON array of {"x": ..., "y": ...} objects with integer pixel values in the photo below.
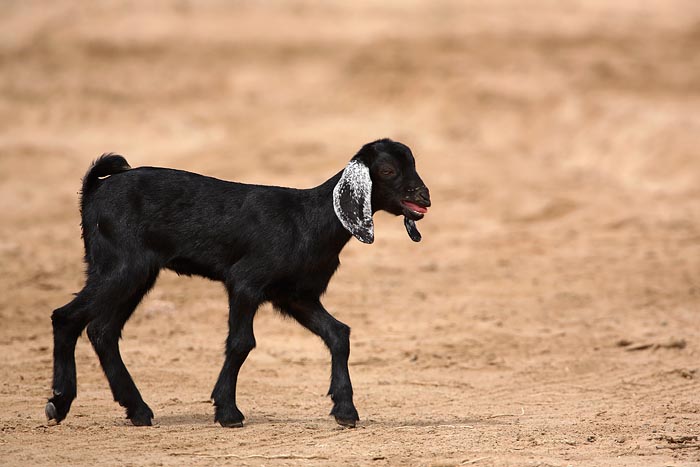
[{"x": 265, "y": 243}]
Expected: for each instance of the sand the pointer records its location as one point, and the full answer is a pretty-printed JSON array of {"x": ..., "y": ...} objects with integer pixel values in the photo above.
[{"x": 549, "y": 316}]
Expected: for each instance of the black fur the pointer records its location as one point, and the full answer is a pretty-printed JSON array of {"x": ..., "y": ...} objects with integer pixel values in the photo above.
[{"x": 265, "y": 243}]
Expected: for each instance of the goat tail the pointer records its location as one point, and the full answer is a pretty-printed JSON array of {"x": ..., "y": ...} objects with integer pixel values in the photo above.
[{"x": 105, "y": 165}]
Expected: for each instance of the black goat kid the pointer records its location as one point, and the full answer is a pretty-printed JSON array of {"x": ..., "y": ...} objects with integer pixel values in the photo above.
[{"x": 265, "y": 243}]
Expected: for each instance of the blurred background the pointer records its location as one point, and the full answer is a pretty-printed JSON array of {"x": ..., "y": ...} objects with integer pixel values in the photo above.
[{"x": 550, "y": 313}]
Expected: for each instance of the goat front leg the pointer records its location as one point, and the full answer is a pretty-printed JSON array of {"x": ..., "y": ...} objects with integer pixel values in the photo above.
[
  {"x": 239, "y": 343},
  {"x": 336, "y": 335}
]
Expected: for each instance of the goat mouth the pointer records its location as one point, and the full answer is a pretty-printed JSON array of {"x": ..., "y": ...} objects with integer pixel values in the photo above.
[{"x": 417, "y": 212}]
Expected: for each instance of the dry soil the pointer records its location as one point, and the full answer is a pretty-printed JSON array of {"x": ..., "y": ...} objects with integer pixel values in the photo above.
[{"x": 550, "y": 315}]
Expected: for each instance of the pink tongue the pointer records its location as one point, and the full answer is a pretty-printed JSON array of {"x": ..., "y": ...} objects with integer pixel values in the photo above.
[{"x": 415, "y": 207}]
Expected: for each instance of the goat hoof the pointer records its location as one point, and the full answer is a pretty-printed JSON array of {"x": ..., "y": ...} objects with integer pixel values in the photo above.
[
  {"x": 345, "y": 414},
  {"x": 141, "y": 421},
  {"x": 51, "y": 412},
  {"x": 57, "y": 407},
  {"x": 231, "y": 424},
  {"x": 229, "y": 417},
  {"x": 141, "y": 417},
  {"x": 346, "y": 422}
]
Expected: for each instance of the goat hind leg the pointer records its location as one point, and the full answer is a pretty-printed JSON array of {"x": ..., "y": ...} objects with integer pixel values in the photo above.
[
  {"x": 68, "y": 323},
  {"x": 104, "y": 332}
]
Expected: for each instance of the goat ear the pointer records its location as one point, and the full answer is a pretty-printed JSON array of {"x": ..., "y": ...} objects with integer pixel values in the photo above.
[{"x": 352, "y": 201}]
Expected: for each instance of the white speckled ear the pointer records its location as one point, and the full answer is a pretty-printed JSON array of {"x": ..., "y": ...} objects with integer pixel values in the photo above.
[{"x": 352, "y": 201}]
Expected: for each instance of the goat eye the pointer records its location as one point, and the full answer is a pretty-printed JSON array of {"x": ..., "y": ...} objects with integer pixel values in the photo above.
[{"x": 387, "y": 172}]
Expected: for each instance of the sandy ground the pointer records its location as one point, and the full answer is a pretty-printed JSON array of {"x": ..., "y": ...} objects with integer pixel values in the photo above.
[{"x": 550, "y": 315}]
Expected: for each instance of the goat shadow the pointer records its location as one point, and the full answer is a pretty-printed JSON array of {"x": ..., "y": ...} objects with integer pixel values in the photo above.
[{"x": 208, "y": 420}]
